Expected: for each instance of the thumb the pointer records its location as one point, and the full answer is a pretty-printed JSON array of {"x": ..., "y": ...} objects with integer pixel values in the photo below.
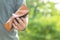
[{"x": 15, "y": 16}]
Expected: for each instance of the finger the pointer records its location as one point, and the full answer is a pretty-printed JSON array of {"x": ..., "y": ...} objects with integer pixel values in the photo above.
[
  {"x": 25, "y": 20},
  {"x": 15, "y": 27},
  {"x": 20, "y": 28},
  {"x": 20, "y": 21},
  {"x": 15, "y": 22},
  {"x": 18, "y": 25},
  {"x": 15, "y": 16}
]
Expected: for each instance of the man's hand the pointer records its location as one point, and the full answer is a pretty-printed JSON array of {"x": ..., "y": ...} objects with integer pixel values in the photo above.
[{"x": 21, "y": 24}]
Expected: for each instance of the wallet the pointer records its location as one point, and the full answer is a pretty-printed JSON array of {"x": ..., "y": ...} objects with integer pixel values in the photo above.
[{"x": 22, "y": 11}]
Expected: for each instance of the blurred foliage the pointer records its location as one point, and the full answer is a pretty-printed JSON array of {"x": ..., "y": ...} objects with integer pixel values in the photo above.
[{"x": 44, "y": 21}]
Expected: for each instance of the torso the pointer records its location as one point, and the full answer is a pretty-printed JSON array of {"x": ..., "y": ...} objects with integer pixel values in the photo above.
[{"x": 7, "y": 7}]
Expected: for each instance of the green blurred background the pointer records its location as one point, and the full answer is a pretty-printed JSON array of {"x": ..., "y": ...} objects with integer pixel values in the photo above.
[{"x": 44, "y": 21}]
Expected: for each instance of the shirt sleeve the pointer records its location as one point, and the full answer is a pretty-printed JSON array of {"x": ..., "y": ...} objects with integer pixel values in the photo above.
[{"x": 19, "y": 3}]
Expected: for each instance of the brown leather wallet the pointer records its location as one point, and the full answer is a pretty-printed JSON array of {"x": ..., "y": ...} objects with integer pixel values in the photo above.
[{"x": 22, "y": 11}]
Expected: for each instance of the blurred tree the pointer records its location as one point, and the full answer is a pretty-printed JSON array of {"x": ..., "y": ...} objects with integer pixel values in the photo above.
[{"x": 44, "y": 21}]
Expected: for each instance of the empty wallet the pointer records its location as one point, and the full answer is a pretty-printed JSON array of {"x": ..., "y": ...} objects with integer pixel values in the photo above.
[{"x": 22, "y": 11}]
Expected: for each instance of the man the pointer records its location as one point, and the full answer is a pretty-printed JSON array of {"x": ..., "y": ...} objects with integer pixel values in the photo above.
[{"x": 7, "y": 8}]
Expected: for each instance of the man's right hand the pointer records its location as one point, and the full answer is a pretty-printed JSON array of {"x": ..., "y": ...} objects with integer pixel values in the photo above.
[{"x": 23, "y": 21}]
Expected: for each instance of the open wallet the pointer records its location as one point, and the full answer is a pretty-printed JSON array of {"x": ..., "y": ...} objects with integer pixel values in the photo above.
[{"x": 22, "y": 11}]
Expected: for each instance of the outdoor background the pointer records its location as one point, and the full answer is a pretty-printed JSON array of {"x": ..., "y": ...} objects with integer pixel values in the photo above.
[{"x": 44, "y": 20}]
